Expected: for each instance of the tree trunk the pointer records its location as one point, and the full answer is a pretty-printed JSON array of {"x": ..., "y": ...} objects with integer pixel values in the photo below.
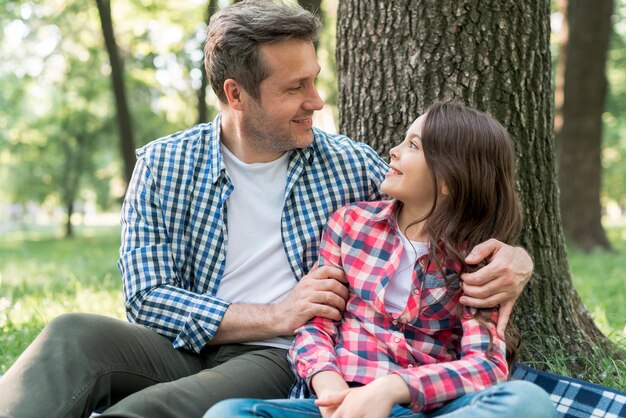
[
  {"x": 127, "y": 146},
  {"x": 394, "y": 58},
  {"x": 580, "y": 95}
]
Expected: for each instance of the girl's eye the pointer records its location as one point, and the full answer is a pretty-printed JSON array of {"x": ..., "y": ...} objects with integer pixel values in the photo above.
[{"x": 413, "y": 145}]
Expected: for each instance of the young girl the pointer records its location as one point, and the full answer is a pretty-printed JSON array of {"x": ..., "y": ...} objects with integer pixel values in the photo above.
[{"x": 405, "y": 346}]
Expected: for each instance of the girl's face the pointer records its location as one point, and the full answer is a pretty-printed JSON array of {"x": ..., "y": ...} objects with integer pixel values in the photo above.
[{"x": 409, "y": 179}]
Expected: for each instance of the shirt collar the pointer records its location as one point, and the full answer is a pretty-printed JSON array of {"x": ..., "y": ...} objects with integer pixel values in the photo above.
[
  {"x": 216, "y": 162},
  {"x": 388, "y": 212}
]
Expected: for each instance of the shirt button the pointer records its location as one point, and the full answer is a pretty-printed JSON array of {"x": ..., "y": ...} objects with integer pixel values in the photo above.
[
  {"x": 397, "y": 340},
  {"x": 416, "y": 291},
  {"x": 395, "y": 322},
  {"x": 310, "y": 371},
  {"x": 410, "y": 366}
]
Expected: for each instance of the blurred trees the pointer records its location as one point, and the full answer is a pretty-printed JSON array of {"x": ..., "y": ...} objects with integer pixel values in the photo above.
[
  {"x": 55, "y": 89},
  {"x": 124, "y": 122},
  {"x": 493, "y": 55},
  {"x": 581, "y": 87},
  {"x": 614, "y": 141},
  {"x": 57, "y": 113}
]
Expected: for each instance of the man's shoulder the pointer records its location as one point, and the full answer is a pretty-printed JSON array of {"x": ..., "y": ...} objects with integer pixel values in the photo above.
[
  {"x": 178, "y": 144},
  {"x": 340, "y": 146}
]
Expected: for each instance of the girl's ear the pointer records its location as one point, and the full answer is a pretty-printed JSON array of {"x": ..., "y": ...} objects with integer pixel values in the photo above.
[{"x": 444, "y": 189}]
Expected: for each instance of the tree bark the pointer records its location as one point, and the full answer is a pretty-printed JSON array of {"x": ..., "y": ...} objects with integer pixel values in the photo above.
[
  {"x": 580, "y": 94},
  {"x": 394, "y": 58},
  {"x": 124, "y": 123}
]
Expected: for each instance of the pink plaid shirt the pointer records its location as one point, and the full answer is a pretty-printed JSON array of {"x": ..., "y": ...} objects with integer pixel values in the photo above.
[{"x": 439, "y": 355}]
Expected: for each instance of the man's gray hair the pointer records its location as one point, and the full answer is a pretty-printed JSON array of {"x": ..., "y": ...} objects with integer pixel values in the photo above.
[{"x": 235, "y": 33}]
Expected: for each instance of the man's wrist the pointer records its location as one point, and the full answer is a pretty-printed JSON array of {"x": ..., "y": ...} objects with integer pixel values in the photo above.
[{"x": 279, "y": 322}]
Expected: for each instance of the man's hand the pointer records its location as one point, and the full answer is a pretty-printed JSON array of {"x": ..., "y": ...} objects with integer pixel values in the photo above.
[
  {"x": 500, "y": 282},
  {"x": 320, "y": 293}
]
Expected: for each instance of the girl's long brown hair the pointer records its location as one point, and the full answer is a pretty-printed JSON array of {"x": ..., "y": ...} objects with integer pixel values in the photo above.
[{"x": 473, "y": 155}]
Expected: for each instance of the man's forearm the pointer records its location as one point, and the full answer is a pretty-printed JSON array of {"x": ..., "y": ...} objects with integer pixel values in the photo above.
[{"x": 248, "y": 322}]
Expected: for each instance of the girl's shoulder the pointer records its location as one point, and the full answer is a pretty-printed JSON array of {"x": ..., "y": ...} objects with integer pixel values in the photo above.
[{"x": 375, "y": 209}]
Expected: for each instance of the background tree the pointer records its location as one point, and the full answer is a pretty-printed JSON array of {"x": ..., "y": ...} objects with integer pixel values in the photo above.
[
  {"x": 614, "y": 128},
  {"x": 127, "y": 143},
  {"x": 581, "y": 87},
  {"x": 394, "y": 58},
  {"x": 203, "y": 109}
]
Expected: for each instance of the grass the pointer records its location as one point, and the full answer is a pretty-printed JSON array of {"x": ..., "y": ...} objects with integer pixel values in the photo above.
[
  {"x": 600, "y": 279},
  {"x": 42, "y": 276}
]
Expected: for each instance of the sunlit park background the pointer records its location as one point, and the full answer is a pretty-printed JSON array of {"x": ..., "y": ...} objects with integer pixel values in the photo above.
[{"x": 62, "y": 172}]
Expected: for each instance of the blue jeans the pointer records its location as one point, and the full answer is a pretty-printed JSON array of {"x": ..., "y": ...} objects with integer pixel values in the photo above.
[{"x": 515, "y": 399}]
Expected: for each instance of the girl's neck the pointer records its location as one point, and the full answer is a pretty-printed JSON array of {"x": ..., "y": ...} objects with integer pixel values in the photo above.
[{"x": 414, "y": 232}]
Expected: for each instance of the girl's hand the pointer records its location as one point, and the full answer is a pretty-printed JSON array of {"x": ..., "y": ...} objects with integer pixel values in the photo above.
[
  {"x": 375, "y": 400},
  {"x": 326, "y": 384}
]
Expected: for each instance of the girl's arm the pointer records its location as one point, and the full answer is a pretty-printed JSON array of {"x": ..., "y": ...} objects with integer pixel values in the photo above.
[
  {"x": 313, "y": 350},
  {"x": 431, "y": 385}
]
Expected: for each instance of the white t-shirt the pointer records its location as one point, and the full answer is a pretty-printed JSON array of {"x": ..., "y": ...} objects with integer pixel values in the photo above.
[
  {"x": 257, "y": 269},
  {"x": 399, "y": 287}
]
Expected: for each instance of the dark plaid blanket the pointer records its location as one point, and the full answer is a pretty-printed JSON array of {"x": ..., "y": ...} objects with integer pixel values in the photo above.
[{"x": 575, "y": 398}]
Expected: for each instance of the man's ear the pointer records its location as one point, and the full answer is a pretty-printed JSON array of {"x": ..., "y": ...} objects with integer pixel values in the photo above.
[{"x": 233, "y": 92}]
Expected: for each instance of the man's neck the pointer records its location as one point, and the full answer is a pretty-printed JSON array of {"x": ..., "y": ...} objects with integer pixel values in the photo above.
[{"x": 242, "y": 148}]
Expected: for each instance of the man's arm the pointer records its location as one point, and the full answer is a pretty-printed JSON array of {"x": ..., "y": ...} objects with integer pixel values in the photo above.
[
  {"x": 319, "y": 293},
  {"x": 500, "y": 281}
]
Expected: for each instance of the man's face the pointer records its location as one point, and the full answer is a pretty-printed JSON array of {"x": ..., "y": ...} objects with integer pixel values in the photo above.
[{"x": 281, "y": 119}]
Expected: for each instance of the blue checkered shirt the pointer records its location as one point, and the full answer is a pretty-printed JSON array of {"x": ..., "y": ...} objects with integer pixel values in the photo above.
[{"x": 174, "y": 216}]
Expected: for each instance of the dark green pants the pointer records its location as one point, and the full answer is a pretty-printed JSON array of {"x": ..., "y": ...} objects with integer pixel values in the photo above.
[{"x": 81, "y": 362}]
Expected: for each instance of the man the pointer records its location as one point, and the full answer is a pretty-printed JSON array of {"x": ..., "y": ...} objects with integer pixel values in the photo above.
[{"x": 220, "y": 230}]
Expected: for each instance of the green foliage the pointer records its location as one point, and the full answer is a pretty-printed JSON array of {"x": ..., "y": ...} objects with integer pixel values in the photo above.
[
  {"x": 614, "y": 147},
  {"x": 59, "y": 140}
]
